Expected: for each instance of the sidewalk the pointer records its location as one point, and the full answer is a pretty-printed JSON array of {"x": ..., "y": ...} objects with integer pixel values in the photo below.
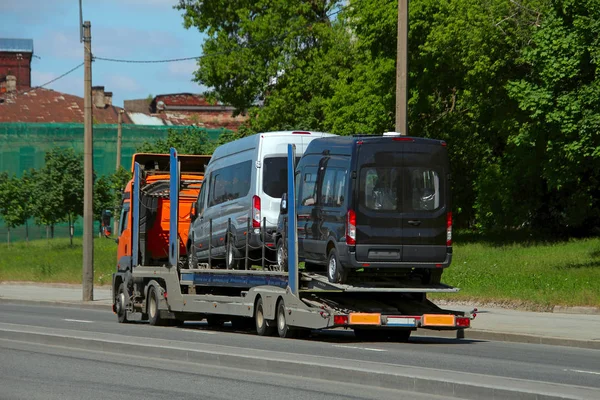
[{"x": 557, "y": 328}]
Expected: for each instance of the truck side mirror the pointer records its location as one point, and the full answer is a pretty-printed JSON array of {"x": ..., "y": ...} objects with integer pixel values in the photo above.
[
  {"x": 194, "y": 211},
  {"x": 283, "y": 204}
]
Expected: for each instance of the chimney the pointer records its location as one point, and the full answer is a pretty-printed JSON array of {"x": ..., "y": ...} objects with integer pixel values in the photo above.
[
  {"x": 108, "y": 98},
  {"x": 11, "y": 83},
  {"x": 98, "y": 96}
]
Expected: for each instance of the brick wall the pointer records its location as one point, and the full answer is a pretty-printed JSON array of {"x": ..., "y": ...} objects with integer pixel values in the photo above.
[{"x": 9, "y": 63}]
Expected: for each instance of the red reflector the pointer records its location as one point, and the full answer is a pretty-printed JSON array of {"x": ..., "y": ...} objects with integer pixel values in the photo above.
[
  {"x": 340, "y": 319},
  {"x": 165, "y": 295},
  {"x": 300, "y": 133},
  {"x": 366, "y": 265},
  {"x": 359, "y": 142},
  {"x": 403, "y": 139},
  {"x": 438, "y": 265},
  {"x": 463, "y": 322},
  {"x": 449, "y": 229},
  {"x": 270, "y": 244},
  {"x": 444, "y": 143}
]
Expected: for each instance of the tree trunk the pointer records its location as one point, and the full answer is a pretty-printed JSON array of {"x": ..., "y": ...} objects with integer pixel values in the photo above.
[
  {"x": 26, "y": 233},
  {"x": 8, "y": 237},
  {"x": 48, "y": 234},
  {"x": 70, "y": 231},
  {"x": 52, "y": 231}
]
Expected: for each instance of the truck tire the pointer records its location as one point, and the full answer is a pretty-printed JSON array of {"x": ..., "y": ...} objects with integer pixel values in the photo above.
[
  {"x": 282, "y": 260},
  {"x": 121, "y": 301},
  {"x": 335, "y": 271},
  {"x": 262, "y": 326},
  {"x": 153, "y": 311},
  {"x": 283, "y": 329}
]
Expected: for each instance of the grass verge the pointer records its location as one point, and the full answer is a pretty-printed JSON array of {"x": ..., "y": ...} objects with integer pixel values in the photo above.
[
  {"x": 56, "y": 261},
  {"x": 532, "y": 275}
]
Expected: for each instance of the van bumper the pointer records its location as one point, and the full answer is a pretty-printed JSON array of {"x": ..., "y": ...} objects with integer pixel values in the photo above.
[{"x": 347, "y": 257}]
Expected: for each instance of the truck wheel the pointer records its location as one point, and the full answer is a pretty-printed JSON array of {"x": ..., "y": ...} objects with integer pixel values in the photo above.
[
  {"x": 232, "y": 256},
  {"x": 283, "y": 329},
  {"x": 335, "y": 271},
  {"x": 153, "y": 311},
  {"x": 121, "y": 301},
  {"x": 262, "y": 326},
  {"x": 282, "y": 260}
]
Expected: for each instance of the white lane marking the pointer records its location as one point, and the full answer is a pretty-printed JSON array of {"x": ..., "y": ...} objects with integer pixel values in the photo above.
[
  {"x": 357, "y": 347},
  {"x": 83, "y": 321},
  {"x": 582, "y": 372},
  {"x": 205, "y": 332}
]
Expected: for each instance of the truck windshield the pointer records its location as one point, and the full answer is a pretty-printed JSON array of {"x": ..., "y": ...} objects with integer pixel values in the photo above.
[{"x": 275, "y": 176}]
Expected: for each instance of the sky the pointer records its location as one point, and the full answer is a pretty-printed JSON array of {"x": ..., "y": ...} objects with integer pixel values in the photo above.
[{"x": 121, "y": 29}]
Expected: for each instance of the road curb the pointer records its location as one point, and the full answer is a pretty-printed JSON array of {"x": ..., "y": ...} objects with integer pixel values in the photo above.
[
  {"x": 480, "y": 387},
  {"x": 73, "y": 304}
]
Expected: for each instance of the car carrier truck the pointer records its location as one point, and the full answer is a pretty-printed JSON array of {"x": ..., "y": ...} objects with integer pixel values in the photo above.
[{"x": 290, "y": 303}]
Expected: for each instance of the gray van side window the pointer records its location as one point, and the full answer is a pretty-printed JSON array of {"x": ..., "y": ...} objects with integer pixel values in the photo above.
[
  {"x": 333, "y": 187},
  {"x": 230, "y": 183}
]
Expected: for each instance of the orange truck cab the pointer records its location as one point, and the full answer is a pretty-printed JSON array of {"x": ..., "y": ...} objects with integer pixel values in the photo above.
[{"x": 155, "y": 207}]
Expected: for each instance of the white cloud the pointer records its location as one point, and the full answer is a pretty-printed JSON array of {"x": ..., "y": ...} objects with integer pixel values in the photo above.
[
  {"x": 121, "y": 84},
  {"x": 182, "y": 69}
]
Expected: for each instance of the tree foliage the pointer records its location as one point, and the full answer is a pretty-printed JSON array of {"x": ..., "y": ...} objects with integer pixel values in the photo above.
[{"x": 189, "y": 141}]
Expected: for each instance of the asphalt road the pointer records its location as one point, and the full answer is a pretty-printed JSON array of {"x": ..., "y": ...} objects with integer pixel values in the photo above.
[
  {"x": 538, "y": 363},
  {"x": 34, "y": 371}
]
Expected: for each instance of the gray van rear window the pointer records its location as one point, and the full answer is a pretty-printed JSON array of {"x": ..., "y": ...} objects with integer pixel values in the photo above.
[{"x": 275, "y": 176}]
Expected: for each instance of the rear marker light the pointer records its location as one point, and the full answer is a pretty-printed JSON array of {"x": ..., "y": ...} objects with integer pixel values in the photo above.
[
  {"x": 340, "y": 320},
  {"x": 449, "y": 229},
  {"x": 366, "y": 265},
  {"x": 351, "y": 228},
  {"x": 403, "y": 139},
  {"x": 463, "y": 322},
  {"x": 300, "y": 133}
]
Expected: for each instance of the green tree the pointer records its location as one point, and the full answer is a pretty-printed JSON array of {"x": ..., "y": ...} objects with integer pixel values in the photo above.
[
  {"x": 59, "y": 189},
  {"x": 14, "y": 206},
  {"x": 276, "y": 54},
  {"x": 188, "y": 141}
]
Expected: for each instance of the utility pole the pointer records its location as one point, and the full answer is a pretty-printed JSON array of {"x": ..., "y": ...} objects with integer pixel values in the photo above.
[
  {"x": 402, "y": 68},
  {"x": 88, "y": 188},
  {"x": 119, "y": 139}
]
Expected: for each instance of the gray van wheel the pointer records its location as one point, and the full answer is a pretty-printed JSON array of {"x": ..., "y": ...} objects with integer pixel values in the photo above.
[
  {"x": 282, "y": 260},
  {"x": 232, "y": 254},
  {"x": 335, "y": 271}
]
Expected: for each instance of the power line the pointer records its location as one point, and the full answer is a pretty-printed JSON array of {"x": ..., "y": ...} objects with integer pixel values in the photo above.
[
  {"x": 23, "y": 91},
  {"x": 327, "y": 16}
]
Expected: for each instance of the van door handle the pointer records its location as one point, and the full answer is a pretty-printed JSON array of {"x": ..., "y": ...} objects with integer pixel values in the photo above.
[{"x": 414, "y": 222}]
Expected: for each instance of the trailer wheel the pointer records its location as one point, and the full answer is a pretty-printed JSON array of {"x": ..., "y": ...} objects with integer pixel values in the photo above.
[
  {"x": 283, "y": 329},
  {"x": 282, "y": 260},
  {"x": 153, "y": 311},
  {"x": 121, "y": 303},
  {"x": 262, "y": 326},
  {"x": 335, "y": 271}
]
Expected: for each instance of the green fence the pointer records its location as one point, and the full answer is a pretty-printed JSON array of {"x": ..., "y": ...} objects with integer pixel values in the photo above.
[{"x": 24, "y": 145}]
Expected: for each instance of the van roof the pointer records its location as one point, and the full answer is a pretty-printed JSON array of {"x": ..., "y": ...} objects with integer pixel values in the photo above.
[
  {"x": 250, "y": 142},
  {"x": 344, "y": 144}
]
